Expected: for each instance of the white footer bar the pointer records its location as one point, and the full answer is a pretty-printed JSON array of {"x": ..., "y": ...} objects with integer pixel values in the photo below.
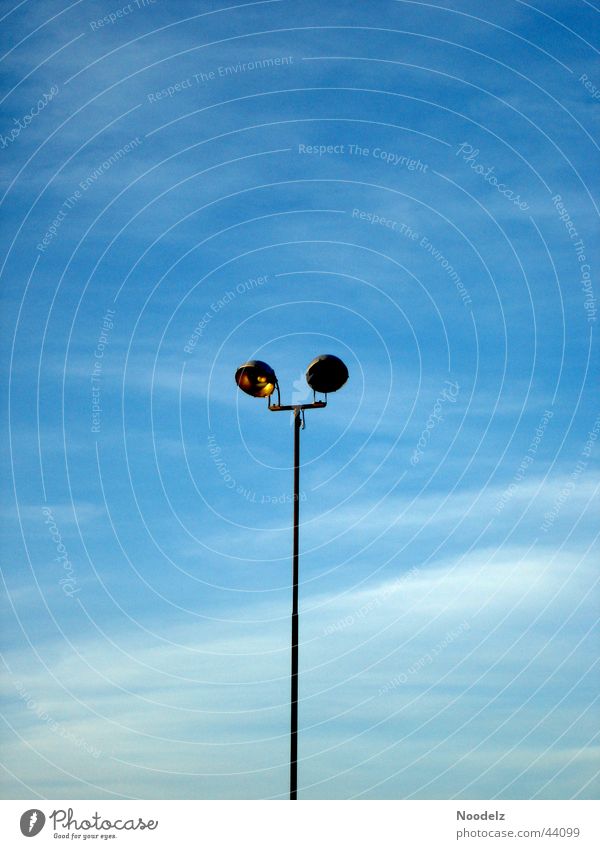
[{"x": 307, "y": 824}]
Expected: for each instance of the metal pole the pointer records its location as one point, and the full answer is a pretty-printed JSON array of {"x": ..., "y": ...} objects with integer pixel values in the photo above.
[{"x": 294, "y": 694}]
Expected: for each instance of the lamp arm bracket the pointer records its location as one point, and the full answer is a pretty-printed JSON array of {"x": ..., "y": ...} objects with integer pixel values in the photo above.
[{"x": 277, "y": 408}]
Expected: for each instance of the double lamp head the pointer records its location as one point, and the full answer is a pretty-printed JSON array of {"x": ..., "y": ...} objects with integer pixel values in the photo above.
[{"x": 326, "y": 373}]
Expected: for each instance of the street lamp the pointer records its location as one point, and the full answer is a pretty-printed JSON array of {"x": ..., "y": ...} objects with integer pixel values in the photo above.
[{"x": 324, "y": 374}]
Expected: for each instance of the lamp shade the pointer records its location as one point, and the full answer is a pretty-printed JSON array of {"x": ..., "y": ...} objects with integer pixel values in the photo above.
[
  {"x": 326, "y": 373},
  {"x": 256, "y": 378}
]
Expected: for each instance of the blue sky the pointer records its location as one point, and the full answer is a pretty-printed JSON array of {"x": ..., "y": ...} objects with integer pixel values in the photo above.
[{"x": 410, "y": 186}]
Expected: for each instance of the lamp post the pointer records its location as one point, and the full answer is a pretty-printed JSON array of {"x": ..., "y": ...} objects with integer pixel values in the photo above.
[{"x": 324, "y": 374}]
